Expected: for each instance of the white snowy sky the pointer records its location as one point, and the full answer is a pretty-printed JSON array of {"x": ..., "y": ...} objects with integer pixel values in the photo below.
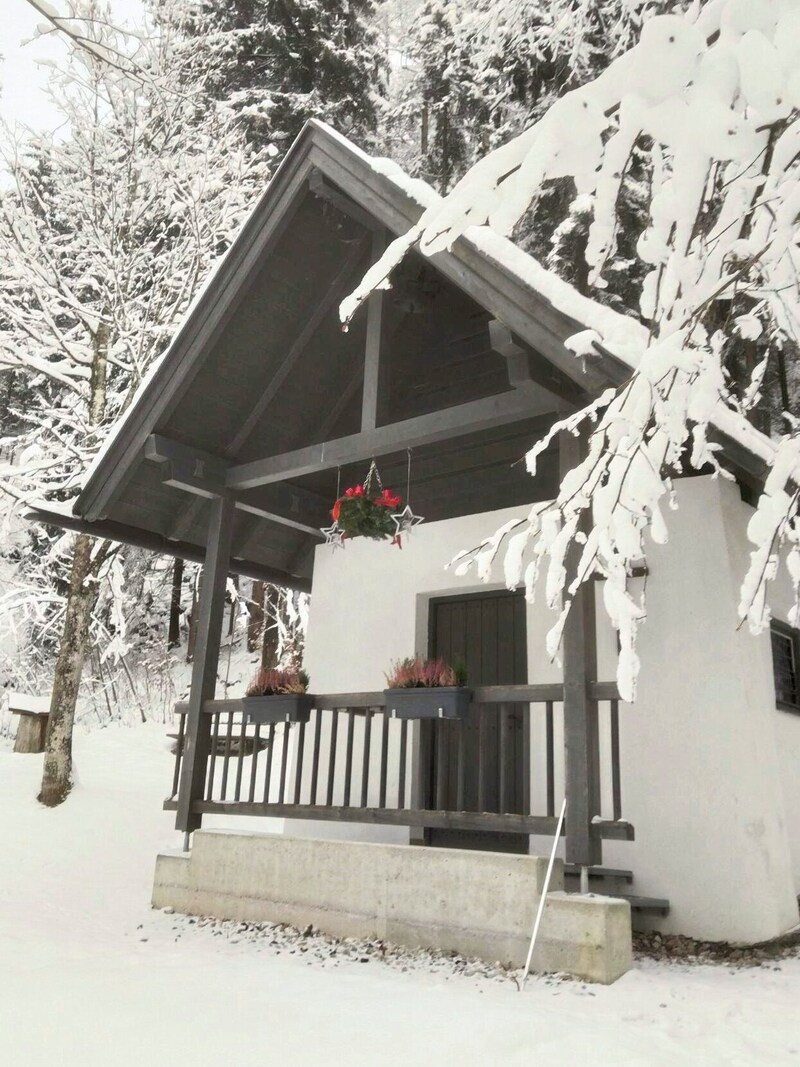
[{"x": 22, "y": 80}]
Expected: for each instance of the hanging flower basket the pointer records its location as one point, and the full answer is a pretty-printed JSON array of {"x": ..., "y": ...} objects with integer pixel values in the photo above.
[
  {"x": 359, "y": 512},
  {"x": 278, "y": 696},
  {"x": 369, "y": 510},
  {"x": 426, "y": 689}
]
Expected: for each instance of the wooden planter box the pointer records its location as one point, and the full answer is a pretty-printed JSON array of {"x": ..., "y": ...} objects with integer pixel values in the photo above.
[
  {"x": 284, "y": 707},
  {"x": 436, "y": 702}
]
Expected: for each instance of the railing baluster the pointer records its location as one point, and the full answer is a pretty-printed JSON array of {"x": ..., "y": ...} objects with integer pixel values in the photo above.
[
  {"x": 301, "y": 737},
  {"x": 226, "y": 757},
  {"x": 315, "y": 755},
  {"x": 284, "y": 761},
  {"x": 441, "y": 765},
  {"x": 502, "y": 735},
  {"x": 178, "y": 754},
  {"x": 365, "y": 762},
  {"x": 384, "y": 760},
  {"x": 459, "y": 727},
  {"x": 483, "y": 731},
  {"x": 332, "y": 756},
  {"x": 213, "y": 761},
  {"x": 270, "y": 753},
  {"x": 254, "y": 766},
  {"x": 240, "y": 764},
  {"x": 348, "y": 760},
  {"x": 616, "y": 786},
  {"x": 551, "y": 759},
  {"x": 401, "y": 774},
  {"x": 525, "y": 742}
]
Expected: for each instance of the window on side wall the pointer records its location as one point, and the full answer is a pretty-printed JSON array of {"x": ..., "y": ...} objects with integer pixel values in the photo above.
[{"x": 785, "y": 665}]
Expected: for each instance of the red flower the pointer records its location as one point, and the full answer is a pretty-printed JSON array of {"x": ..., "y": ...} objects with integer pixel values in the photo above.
[
  {"x": 358, "y": 490},
  {"x": 388, "y": 499},
  {"x": 336, "y": 511}
]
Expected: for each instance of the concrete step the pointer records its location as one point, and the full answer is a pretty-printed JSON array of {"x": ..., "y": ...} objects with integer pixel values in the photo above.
[
  {"x": 612, "y": 882},
  {"x": 651, "y": 905}
]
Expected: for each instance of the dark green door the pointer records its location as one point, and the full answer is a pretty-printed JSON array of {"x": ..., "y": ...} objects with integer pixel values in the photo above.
[{"x": 487, "y": 633}]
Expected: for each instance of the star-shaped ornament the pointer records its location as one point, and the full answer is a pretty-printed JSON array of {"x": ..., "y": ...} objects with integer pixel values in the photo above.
[
  {"x": 406, "y": 520},
  {"x": 334, "y": 535}
]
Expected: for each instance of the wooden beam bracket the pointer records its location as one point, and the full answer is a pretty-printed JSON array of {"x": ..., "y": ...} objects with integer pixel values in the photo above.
[
  {"x": 517, "y": 361},
  {"x": 192, "y": 469}
]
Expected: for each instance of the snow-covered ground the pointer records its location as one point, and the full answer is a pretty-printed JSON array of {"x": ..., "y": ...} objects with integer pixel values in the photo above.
[{"x": 92, "y": 976}]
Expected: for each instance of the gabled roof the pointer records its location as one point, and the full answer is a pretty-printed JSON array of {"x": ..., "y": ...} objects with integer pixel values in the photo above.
[{"x": 274, "y": 294}]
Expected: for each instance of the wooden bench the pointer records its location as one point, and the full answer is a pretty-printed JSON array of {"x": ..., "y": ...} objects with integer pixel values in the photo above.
[{"x": 33, "y": 715}]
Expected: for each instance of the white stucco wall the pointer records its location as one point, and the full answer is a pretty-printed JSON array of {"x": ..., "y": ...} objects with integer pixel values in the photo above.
[
  {"x": 700, "y": 766},
  {"x": 709, "y": 766}
]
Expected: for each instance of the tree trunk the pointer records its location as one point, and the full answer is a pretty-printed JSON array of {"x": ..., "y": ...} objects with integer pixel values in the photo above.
[
  {"x": 255, "y": 625},
  {"x": 269, "y": 648},
  {"x": 174, "y": 634},
  {"x": 192, "y": 635},
  {"x": 57, "y": 775}
]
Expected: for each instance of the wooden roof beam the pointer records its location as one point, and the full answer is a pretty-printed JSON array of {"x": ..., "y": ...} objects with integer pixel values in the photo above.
[
  {"x": 328, "y": 301},
  {"x": 472, "y": 417},
  {"x": 372, "y": 348},
  {"x": 154, "y": 542}
]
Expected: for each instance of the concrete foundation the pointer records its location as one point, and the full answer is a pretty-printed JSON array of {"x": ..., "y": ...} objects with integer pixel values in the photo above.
[{"x": 476, "y": 903}]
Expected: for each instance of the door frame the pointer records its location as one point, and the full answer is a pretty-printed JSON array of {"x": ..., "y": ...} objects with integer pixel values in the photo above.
[{"x": 425, "y": 608}]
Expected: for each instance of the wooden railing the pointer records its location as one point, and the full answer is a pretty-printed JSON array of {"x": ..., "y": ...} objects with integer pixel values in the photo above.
[{"x": 501, "y": 769}]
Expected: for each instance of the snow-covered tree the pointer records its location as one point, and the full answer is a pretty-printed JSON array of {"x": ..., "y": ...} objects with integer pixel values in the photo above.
[
  {"x": 278, "y": 63},
  {"x": 482, "y": 71},
  {"x": 713, "y": 92},
  {"x": 104, "y": 238}
]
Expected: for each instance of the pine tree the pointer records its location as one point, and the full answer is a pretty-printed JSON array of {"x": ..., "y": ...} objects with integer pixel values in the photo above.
[
  {"x": 279, "y": 63},
  {"x": 486, "y": 71}
]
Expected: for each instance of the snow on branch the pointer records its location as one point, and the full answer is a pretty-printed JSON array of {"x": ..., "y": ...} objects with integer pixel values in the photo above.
[
  {"x": 91, "y": 35},
  {"x": 711, "y": 97}
]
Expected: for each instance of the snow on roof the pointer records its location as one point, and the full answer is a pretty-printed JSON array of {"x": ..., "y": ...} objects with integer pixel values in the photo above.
[
  {"x": 22, "y": 702},
  {"x": 620, "y": 335}
]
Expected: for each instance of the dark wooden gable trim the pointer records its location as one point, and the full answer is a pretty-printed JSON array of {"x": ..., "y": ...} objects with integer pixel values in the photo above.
[{"x": 316, "y": 150}]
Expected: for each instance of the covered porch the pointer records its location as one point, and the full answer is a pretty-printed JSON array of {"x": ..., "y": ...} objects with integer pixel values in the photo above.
[{"x": 262, "y": 407}]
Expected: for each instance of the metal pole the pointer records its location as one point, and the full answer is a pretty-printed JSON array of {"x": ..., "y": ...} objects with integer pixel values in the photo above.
[{"x": 543, "y": 897}]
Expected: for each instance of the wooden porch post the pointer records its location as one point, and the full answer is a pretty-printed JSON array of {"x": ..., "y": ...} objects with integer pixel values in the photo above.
[
  {"x": 581, "y": 740},
  {"x": 204, "y": 664}
]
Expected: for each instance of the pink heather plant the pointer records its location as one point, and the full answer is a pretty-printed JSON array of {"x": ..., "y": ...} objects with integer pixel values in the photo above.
[
  {"x": 418, "y": 673},
  {"x": 272, "y": 682}
]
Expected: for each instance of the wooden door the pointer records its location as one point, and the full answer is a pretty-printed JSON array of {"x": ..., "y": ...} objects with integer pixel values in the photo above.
[{"x": 487, "y": 633}]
